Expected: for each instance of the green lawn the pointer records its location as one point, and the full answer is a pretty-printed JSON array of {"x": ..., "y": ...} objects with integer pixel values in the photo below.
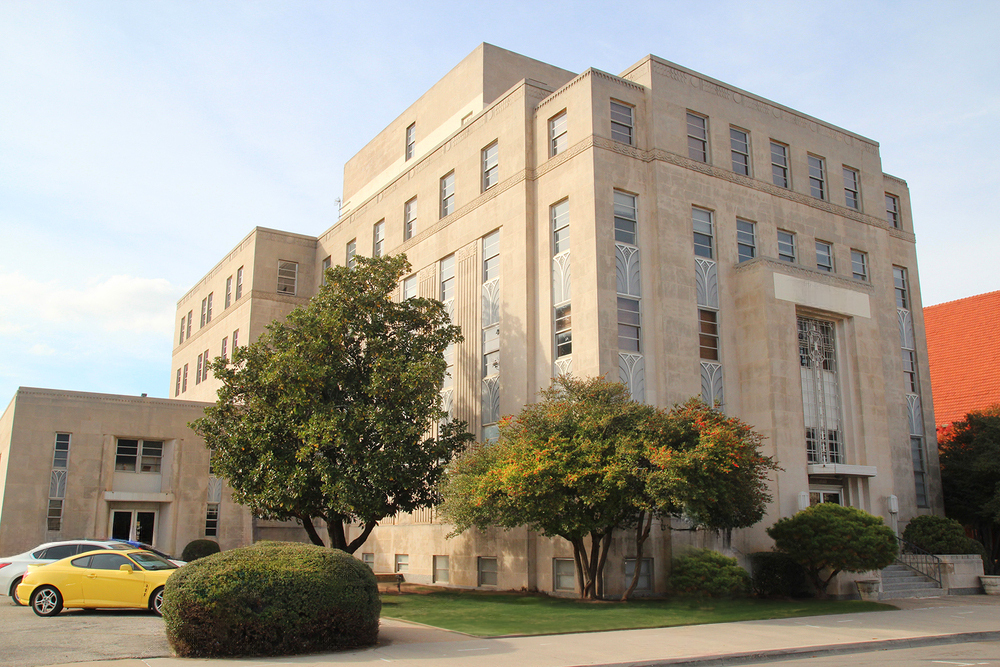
[{"x": 492, "y": 614}]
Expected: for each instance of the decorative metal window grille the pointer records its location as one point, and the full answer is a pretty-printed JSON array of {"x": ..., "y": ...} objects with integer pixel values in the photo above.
[
  {"x": 490, "y": 323},
  {"x": 820, "y": 391}
]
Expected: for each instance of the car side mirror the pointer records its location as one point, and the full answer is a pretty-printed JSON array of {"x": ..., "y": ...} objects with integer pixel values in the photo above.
[{"x": 126, "y": 568}]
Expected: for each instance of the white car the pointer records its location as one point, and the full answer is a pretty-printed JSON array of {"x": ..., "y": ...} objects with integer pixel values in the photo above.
[{"x": 14, "y": 567}]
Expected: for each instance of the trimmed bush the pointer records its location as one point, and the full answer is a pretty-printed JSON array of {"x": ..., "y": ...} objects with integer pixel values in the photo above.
[
  {"x": 939, "y": 535},
  {"x": 273, "y": 598},
  {"x": 776, "y": 575},
  {"x": 707, "y": 573},
  {"x": 196, "y": 549}
]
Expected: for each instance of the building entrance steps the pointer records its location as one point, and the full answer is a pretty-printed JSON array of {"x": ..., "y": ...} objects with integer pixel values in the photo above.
[{"x": 900, "y": 581}]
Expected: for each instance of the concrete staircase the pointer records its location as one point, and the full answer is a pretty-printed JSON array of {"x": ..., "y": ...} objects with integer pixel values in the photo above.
[{"x": 899, "y": 581}]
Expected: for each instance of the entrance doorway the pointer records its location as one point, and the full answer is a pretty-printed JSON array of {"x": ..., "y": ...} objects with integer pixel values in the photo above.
[{"x": 135, "y": 525}]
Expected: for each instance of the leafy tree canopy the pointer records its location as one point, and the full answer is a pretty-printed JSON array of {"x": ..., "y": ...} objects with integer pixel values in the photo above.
[
  {"x": 329, "y": 414},
  {"x": 836, "y": 539},
  {"x": 970, "y": 478},
  {"x": 587, "y": 459}
]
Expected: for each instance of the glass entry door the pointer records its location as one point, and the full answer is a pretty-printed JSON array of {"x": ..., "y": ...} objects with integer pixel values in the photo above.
[{"x": 135, "y": 525}]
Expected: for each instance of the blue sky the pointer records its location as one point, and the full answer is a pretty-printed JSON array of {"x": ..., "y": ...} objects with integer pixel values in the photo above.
[{"x": 140, "y": 141}]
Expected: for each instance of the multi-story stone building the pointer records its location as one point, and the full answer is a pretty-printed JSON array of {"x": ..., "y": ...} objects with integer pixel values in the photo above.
[{"x": 657, "y": 227}]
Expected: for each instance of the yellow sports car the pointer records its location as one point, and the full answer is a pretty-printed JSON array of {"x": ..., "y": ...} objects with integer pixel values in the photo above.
[{"x": 130, "y": 579}]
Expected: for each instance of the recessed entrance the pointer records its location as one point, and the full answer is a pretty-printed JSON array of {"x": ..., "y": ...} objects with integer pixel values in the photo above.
[{"x": 136, "y": 525}]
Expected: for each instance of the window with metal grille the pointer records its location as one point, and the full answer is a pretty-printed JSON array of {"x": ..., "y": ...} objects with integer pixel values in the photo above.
[{"x": 820, "y": 390}]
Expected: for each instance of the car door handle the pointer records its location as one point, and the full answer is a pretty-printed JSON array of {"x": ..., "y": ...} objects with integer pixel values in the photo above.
[{"x": 92, "y": 576}]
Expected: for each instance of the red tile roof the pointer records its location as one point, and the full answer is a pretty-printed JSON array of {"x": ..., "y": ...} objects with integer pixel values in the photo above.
[{"x": 963, "y": 348}]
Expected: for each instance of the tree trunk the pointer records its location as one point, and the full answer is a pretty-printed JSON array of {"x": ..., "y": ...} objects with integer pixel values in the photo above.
[
  {"x": 335, "y": 529},
  {"x": 604, "y": 547},
  {"x": 307, "y": 523},
  {"x": 580, "y": 557},
  {"x": 641, "y": 533},
  {"x": 360, "y": 539}
]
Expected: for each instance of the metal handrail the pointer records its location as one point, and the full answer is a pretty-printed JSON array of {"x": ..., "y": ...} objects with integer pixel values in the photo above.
[{"x": 919, "y": 560}]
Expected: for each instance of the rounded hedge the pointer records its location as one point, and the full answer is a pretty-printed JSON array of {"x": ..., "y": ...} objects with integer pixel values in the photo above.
[
  {"x": 196, "y": 549},
  {"x": 939, "y": 535},
  {"x": 272, "y": 598},
  {"x": 703, "y": 572}
]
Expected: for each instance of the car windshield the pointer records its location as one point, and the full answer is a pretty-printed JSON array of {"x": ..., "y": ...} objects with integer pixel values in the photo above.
[{"x": 150, "y": 561}]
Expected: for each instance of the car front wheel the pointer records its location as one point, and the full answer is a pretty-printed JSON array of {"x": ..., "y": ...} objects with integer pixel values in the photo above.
[
  {"x": 13, "y": 591},
  {"x": 46, "y": 601},
  {"x": 156, "y": 601}
]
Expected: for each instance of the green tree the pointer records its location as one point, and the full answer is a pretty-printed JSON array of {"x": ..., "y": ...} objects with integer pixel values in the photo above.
[
  {"x": 329, "y": 414},
  {"x": 836, "y": 539},
  {"x": 566, "y": 466},
  {"x": 970, "y": 478},
  {"x": 587, "y": 459}
]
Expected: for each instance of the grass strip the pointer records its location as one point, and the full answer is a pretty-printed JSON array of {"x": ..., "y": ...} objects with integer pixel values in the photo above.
[{"x": 487, "y": 614}]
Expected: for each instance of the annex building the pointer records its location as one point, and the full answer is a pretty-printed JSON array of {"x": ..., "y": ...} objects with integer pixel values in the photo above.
[
  {"x": 658, "y": 227},
  {"x": 956, "y": 332}
]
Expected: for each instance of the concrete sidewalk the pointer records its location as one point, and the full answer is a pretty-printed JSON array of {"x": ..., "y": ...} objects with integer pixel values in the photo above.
[{"x": 920, "y": 622}]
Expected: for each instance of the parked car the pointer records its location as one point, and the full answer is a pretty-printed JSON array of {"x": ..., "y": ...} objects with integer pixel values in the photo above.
[
  {"x": 130, "y": 579},
  {"x": 148, "y": 547},
  {"x": 12, "y": 568}
]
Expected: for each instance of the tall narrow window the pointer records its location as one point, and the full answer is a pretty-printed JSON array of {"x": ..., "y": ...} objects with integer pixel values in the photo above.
[
  {"x": 561, "y": 279},
  {"x": 212, "y": 520},
  {"x": 746, "y": 240},
  {"x": 487, "y": 571},
  {"x": 181, "y": 338},
  {"x": 697, "y": 129},
  {"x": 327, "y": 263},
  {"x": 411, "y": 140},
  {"x": 491, "y": 165},
  {"x": 900, "y": 287},
  {"x": 852, "y": 188},
  {"x": 625, "y": 218},
  {"x": 892, "y": 209},
  {"x": 739, "y": 145},
  {"x": 557, "y": 134},
  {"x": 701, "y": 222},
  {"x": 824, "y": 256},
  {"x": 60, "y": 457},
  {"x": 622, "y": 122},
  {"x": 448, "y": 278},
  {"x": 409, "y": 218},
  {"x": 288, "y": 273},
  {"x": 229, "y": 292},
  {"x": 352, "y": 250},
  {"x": 708, "y": 338},
  {"x": 239, "y": 283},
  {"x": 208, "y": 312},
  {"x": 236, "y": 339},
  {"x": 817, "y": 177},
  {"x": 177, "y": 388},
  {"x": 378, "y": 238},
  {"x": 628, "y": 324},
  {"x": 184, "y": 382},
  {"x": 190, "y": 322},
  {"x": 786, "y": 246},
  {"x": 859, "y": 265},
  {"x": 448, "y": 194},
  {"x": 204, "y": 373},
  {"x": 490, "y": 299},
  {"x": 204, "y": 312},
  {"x": 779, "y": 164},
  {"x": 225, "y": 352},
  {"x": 441, "y": 570},
  {"x": 820, "y": 391},
  {"x": 197, "y": 371},
  {"x": 447, "y": 296}
]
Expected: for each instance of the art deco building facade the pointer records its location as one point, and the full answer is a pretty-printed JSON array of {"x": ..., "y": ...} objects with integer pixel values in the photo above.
[{"x": 657, "y": 227}]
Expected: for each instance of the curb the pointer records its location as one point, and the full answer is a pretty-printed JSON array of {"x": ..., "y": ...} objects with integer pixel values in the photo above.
[{"x": 813, "y": 651}]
